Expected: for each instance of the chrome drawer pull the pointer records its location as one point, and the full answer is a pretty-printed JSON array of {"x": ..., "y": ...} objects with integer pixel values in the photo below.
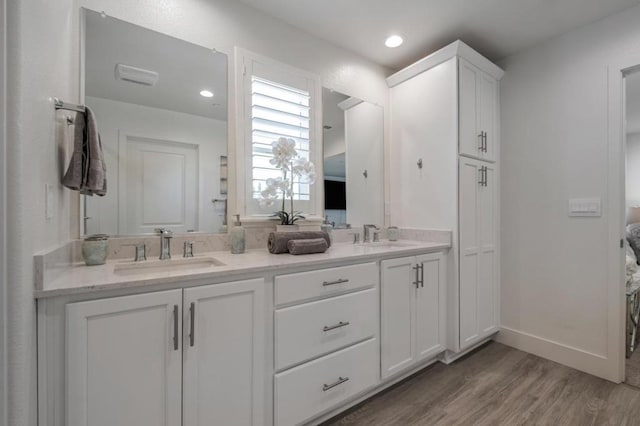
[
  {"x": 338, "y": 325},
  {"x": 338, "y": 281},
  {"x": 340, "y": 381}
]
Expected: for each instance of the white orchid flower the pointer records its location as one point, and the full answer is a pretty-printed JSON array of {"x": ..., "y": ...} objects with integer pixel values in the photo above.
[
  {"x": 305, "y": 170},
  {"x": 284, "y": 151}
]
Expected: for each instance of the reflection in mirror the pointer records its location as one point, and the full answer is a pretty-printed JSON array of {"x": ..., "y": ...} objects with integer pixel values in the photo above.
[
  {"x": 161, "y": 109},
  {"x": 353, "y": 160}
]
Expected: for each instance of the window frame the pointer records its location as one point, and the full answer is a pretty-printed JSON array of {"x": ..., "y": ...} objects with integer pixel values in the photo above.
[{"x": 249, "y": 64}]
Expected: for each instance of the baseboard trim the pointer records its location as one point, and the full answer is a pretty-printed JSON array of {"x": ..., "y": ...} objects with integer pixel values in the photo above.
[{"x": 592, "y": 363}]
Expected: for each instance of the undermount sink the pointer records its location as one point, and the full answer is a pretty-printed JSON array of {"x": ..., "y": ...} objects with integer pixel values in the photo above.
[{"x": 170, "y": 265}]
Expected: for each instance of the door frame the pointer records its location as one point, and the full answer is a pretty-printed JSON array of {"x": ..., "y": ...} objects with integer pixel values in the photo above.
[{"x": 616, "y": 213}]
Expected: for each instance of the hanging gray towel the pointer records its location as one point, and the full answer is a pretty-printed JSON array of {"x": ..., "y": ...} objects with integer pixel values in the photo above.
[{"x": 87, "y": 171}]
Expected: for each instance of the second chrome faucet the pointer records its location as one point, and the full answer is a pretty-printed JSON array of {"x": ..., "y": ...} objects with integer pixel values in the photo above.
[{"x": 165, "y": 243}]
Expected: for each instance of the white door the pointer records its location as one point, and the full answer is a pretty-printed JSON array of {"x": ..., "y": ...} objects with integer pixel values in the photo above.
[
  {"x": 364, "y": 165},
  {"x": 488, "y": 98},
  {"x": 430, "y": 305},
  {"x": 398, "y": 310},
  {"x": 468, "y": 83},
  {"x": 488, "y": 291},
  {"x": 160, "y": 186},
  {"x": 479, "y": 307},
  {"x": 124, "y": 360},
  {"x": 470, "y": 180},
  {"x": 224, "y": 354}
]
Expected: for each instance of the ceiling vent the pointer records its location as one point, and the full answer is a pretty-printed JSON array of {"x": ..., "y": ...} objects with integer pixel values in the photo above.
[{"x": 136, "y": 75}]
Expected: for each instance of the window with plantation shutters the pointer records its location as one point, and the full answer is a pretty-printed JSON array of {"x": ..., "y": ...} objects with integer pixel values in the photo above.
[
  {"x": 278, "y": 100},
  {"x": 277, "y": 111}
]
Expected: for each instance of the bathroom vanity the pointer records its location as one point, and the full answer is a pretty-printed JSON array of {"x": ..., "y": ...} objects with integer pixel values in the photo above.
[{"x": 252, "y": 339}]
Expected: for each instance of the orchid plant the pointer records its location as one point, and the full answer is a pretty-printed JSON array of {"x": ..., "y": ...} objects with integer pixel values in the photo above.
[{"x": 286, "y": 158}]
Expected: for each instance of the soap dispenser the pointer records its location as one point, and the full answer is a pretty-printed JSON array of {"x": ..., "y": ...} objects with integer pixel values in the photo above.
[
  {"x": 237, "y": 237},
  {"x": 327, "y": 227}
]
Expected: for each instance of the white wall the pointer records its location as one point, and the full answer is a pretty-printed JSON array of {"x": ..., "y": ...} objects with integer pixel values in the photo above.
[
  {"x": 43, "y": 61},
  {"x": 210, "y": 135},
  {"x": 554, "y": 147},
  {"x": 3, "y": 215},
  {"x": 633, "y": 170}
]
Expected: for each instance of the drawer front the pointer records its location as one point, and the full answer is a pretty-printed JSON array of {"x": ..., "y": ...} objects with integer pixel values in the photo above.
[
  {"x": 309, "y": 389},
  {"x": 313, "y": 329},
  {"x": 325, "y": 282}
]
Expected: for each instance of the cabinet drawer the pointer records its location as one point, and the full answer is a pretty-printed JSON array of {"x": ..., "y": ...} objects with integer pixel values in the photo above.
[
  {"x": 309, "y": 389},
  {"x": 312, "y": 329},
  {"x": 308, "y": 285}
]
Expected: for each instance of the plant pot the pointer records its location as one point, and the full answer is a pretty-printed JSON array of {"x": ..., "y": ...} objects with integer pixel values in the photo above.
[{"x": 286, "y": 228}]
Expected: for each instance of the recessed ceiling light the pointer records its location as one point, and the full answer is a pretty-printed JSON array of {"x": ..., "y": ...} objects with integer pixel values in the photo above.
[
  {"x": 393, "y": 41},
  {"x": 206, "y": 93}
]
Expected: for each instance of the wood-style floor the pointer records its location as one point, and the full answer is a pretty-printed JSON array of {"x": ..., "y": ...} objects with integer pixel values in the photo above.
[{"x": 498, "y": 385}]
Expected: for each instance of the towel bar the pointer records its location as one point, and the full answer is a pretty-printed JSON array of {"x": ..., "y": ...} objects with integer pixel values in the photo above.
[{"x": 59, "y": 104}]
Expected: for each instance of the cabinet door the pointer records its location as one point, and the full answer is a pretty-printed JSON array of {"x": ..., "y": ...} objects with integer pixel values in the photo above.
[
  {"x": 479, "y": 293},
  {"x": 469, "y": 78},
  {"x": 470, "y": 178},
  {"x": 124, "y": 360},
  {"x": 430, "y": 305},
  {"x": 487, "y": 101},
  {"x": 488, "y": 291},
  {"x": 397, "y": 316},
  {"x": 224, "y": 354}
]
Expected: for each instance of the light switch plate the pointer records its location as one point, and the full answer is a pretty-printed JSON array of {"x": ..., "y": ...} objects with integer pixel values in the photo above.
[{"x": 585, "y": 207}]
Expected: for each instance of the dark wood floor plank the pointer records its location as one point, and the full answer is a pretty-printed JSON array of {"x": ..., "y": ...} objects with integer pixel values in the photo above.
[{"x": 498, "y": 385}]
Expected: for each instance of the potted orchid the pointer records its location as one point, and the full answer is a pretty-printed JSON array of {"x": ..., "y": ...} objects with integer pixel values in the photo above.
[{"x": 292, "y": 166}]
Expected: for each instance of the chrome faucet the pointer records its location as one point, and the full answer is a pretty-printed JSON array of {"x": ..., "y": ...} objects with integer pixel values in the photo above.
[
  {"x": 367, "y": 233},
  {"x": 165, "y": 243}
]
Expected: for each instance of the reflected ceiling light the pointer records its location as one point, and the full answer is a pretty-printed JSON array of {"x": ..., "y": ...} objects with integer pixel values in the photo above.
[
  {"x": 393, "y": 41},
  {"x": 206, "y": 93}
]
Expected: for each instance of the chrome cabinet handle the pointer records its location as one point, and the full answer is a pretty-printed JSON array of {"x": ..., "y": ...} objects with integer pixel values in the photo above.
[
  {"x": 481, "y": 137},
  {"x": 417, "y": 281},
  {"x": 421, "y": 266},
  {"x": 481, "y": 173},
  {"x": 338, "y": 281},
  {"x": 175, "y": 327},
  {"x": 192, "y": 331},
  {"x": 338, "y": 325},
  {"x": 484, "y": 142},
  {"x": 485, "y": 175},
  {"x": 340, "y": 381}
]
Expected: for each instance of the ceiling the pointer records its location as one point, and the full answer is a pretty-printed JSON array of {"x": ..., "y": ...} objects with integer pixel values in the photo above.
[
  {"x": 496, "y": 28},
  {"x": 184, "y": 68}
]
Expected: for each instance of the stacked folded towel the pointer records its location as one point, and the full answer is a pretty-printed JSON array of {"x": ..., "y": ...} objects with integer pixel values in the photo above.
[{"x": 298, "y": 242}]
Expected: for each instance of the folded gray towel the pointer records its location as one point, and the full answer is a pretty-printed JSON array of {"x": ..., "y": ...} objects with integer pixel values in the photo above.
[
  {"x": 87, "y": 171},
  {"x": 313, "y": 245},
  {"x": 278, "y": 241}
]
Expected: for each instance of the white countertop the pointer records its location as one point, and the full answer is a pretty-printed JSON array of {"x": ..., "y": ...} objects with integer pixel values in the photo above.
[{"x": 80, "y": 278}]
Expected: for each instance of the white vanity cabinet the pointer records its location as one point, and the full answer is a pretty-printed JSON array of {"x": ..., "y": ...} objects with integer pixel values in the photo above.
[
  {"x": 325, "y": 340},
  {"x": 223, "y": 354},
  {"x": 478, "y": 109},
  {"x": 413, "y": 318},
  {"x": 124, "y": 360},
  {"x": 152, "y": 359},
  {"x": 445, "y": 113}
]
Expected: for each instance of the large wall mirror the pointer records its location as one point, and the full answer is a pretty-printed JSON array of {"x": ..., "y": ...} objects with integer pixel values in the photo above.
[
  {"x": 161, "y": 109},
  {"x": 353, "y": 160}
]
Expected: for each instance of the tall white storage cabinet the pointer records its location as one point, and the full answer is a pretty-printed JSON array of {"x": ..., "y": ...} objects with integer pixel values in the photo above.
[{"x": 444, "y": 172}]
